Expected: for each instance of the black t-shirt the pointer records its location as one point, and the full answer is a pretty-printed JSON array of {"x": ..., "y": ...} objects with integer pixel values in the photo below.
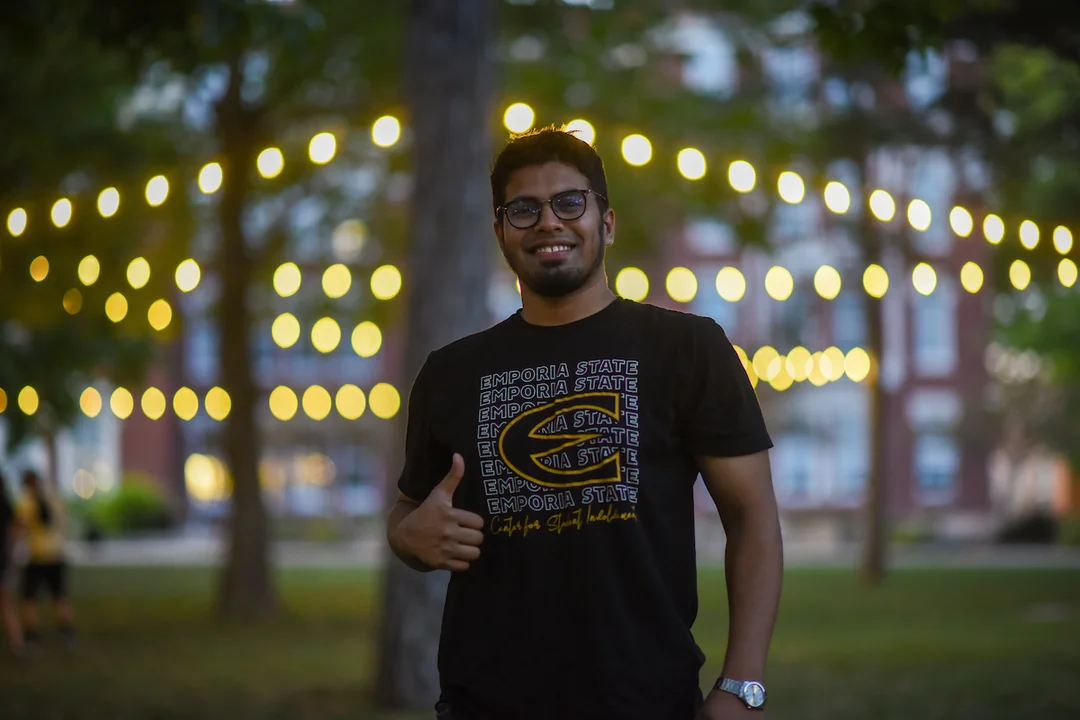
[{"x": 579, "y": 444}]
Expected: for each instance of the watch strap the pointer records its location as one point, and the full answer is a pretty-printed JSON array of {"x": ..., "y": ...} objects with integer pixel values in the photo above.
[{"x": 728, "y": 685}]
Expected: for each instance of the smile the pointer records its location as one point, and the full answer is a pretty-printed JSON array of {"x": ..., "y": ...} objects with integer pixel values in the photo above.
[{"x": 552, "y": 249}]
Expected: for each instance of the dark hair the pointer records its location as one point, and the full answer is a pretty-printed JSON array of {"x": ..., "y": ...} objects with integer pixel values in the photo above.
[
  {"x": 33, "y": 483},
  {"x": 545, "y": 145}
]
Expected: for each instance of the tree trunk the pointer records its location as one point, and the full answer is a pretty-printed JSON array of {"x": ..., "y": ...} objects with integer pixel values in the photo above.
[
  {"x": 875, "y": 515},
  {"x": 246, "y": 589},
  {"x": 52, "y": 457},
  {"x": 450, "y": 87}
]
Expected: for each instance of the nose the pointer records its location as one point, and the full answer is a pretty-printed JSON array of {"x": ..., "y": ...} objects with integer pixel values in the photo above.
[{"x": 549, "y": 221}]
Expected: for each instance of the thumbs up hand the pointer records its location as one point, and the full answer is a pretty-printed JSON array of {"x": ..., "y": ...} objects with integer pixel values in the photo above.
[{"x": 438, "y": 534}]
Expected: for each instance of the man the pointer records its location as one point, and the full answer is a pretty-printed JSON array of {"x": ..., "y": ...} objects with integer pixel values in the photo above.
[{"x": 574, "y": 432}]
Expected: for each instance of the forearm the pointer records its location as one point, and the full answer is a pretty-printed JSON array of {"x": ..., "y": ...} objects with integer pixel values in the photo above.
[
  {"x": 399, "y": 512},
  {"x": 754, "y": 561}
]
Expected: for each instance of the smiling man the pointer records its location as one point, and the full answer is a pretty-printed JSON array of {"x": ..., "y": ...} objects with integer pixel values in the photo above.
[{"x": 550, "y": 464}]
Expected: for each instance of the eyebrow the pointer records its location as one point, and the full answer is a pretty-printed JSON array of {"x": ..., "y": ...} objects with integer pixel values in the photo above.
[{"x": 534, "y": 197}]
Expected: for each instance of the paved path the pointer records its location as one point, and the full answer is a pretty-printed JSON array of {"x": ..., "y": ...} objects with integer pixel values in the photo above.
[{"x": 368, "y": 551}]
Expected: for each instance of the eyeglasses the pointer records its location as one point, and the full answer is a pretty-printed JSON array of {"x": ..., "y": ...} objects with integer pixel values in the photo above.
[{"x": 523, "y": 213}]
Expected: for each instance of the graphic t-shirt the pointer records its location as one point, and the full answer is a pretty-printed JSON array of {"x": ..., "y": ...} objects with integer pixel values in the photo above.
[{"x": 579, "y": 444}]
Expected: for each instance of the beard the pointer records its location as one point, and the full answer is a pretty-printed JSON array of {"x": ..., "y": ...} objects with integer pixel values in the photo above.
[{"x": 563, "y": 277}]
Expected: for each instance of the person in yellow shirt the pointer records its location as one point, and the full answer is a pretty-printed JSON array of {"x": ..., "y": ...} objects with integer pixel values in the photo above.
[{"x": 41, "y": 517}]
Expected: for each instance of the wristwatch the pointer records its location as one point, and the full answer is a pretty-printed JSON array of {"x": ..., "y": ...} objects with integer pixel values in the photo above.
[{"x": 751, "y": 692}]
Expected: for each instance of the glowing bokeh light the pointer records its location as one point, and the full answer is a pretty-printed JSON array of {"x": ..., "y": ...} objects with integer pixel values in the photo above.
[
  {"x": 632, "y": 283},
  {"x": 730, "y": 284},
  {"x": 681, "y": 284}
]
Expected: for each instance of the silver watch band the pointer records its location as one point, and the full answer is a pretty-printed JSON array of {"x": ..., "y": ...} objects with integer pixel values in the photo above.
[{"x": 728, "y": 685}]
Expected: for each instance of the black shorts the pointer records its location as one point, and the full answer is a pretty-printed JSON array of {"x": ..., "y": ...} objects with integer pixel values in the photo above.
[{"x": 52, "y": 577}]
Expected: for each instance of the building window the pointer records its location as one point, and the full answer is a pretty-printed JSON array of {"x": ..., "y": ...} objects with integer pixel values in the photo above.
[
  {"x": 304, "y": 365},
  {"x": 796, "y": 468},
  {"x": 265, "y": 351},
  {"x": 937, "y": 460},
  {"x": 795, "y": 323},
  {"x": 849, "y": 320},
  {"x": 852, "y": 458},
  {"x": 794, "y": 223},
  {"x": 925, "y": 78},
  {"x": 307, "y": 244},
  {"x": 202, "y": 351},
  {"x": 836, "y": 92},
  {"x": 792, "y": 71},
  {"x": 87, "y": 432},
  {"x": 710, "y": 237},
  {"x": 933, "y": 180},
  {"x": 934, "y": 330}
]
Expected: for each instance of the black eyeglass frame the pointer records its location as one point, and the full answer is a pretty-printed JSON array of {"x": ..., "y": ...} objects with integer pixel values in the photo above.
[{"x": 500, "y": 211}]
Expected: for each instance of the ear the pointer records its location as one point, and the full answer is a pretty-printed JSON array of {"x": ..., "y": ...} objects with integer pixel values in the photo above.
[
  {"x": 609, "y": 227},
  {"x": 497, "y": 226}
]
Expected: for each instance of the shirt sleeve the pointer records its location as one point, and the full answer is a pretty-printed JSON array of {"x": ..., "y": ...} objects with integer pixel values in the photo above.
[
  {"x": 426, "y": 460},
  {"x": 720, "y": 414}
]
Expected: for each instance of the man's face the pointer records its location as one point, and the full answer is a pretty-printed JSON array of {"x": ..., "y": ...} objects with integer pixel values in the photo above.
[{"x": 554, "y": 257}]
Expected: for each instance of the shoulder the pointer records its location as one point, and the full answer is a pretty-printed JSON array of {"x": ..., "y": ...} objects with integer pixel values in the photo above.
[{"x": 467, "y": 347}]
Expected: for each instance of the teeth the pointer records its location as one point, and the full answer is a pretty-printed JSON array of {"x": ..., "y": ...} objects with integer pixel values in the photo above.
[{"x": 553, "y": 248}]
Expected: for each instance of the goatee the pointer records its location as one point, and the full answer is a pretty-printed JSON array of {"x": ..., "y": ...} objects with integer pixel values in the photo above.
[{"x": 561, "y": 280}]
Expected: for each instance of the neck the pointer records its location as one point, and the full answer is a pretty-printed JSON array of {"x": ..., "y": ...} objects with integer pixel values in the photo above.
[{"x": 588, "y": 300}]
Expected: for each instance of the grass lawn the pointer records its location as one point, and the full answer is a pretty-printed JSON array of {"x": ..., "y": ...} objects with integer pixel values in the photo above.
[{"x": 979, "y": 644}]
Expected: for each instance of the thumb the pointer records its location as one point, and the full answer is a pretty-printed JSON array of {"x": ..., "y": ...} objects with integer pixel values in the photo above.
[{"x": 453, "y": 477}]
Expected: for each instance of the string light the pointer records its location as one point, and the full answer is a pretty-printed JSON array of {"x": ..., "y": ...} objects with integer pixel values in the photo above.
[
  {"x": 631, "y": 282},
  {"x": 837, "y": 197},
  {"x": 386, "y": 131},
  {"x": 971, "y": 277},
  {"x": 993, "y": 229},
  {"x": 741, "y": 176},
  {"x": 519, "y": 117},
  {"x": 108, "y": 202},
  {"x": 384, "y": 400},
  {"x": 730, "y": 284},
  {"x": 791, "y": 187},
  {"x": 1029, "y": 234},
  {"x": 322, "y": 148},
  {"x": 918, "y": 214},
  {"x": 637, "y": 149},
  {"x": 960, "y": 221},
  {"x": 691, "y": 163},
  {"x": 583, "y": 129},
  {"x": 882, "y": 205},
  {"x": 210, "y": 178}
]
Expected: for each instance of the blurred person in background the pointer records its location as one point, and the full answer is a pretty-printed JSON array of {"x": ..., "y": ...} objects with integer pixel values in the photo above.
[
  {"x": 574, "y": 432},
  {"x": 7, "y": 545},
  {"x": 41, "y": 517}
]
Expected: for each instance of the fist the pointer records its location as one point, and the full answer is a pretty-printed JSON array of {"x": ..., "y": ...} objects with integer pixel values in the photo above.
[{"x": 438, "y": 534}]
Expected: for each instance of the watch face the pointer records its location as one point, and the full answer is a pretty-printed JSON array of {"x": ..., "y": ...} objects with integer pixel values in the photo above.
[{"x": 754, "y": 694}]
